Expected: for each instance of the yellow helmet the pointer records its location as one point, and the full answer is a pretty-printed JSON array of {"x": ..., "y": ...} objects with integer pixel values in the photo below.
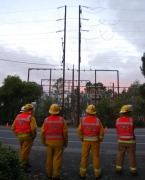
[
  {"x": 28, "y": 107},
  {"x": 91, "y": 109},
  {"x": 54, "y": 109},
  {"x": 125, "y": 109}
]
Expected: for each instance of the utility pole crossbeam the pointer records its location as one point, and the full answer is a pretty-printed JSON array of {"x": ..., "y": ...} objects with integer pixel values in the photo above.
[{"x": 29, "y": 69}]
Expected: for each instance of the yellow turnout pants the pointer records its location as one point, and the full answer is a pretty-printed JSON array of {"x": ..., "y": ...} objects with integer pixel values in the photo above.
[
  {"x": 130, "y": 148},
  {"x": 25, "y": 148},
  {"x": 94, "y": 146},
  {"x": 54, "y": 160}
]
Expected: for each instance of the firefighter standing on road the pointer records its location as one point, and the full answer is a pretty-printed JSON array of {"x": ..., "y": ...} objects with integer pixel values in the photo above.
[
  {"x": 91, "y": 133},
  {"x": 126, "y": 140},
  {"x": 54, "y": 134},
  {"x": 24, "y": 127}
]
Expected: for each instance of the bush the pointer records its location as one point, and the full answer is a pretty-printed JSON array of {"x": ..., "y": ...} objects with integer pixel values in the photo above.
[{"x": 10, "y": 168}]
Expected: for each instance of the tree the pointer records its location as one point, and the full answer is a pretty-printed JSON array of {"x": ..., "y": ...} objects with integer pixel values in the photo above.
[
  {"x": 11, "y": 96},
  {"x": 31, "y": 92},
  {"x": 42, "y": 109},
  {"x": 58, "y": 90},
  {"x": 88, "y": 87},
  {"x": 143, "y": 65},
  {"x": 14, "y": 94},
  {"x": 142, "y": 90},
  {"x": 135, "y": 96},
  {"x": 105, "y": 113}
]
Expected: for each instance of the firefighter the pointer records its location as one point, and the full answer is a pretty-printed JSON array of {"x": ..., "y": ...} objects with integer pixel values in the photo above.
[
  {"x": 126, "y": 140},
  {"x": 91, "y": 133},
  {"x": 54, "y": 134},
  {"x": 25, "y": 128}
]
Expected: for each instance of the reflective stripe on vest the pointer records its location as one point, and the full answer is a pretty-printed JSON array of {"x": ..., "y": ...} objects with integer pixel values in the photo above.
[
  {"x": 125, "y": 129},
  {"x": 90, "y": 130},
  {"x": 53, "y": 129},
  {"x": 126, "y": 123},
  {"x": 23, "y": 123},
  {"x": 125, "y": 137},
  {"x": 90, "y": 124},
  {"x": 24, "y": 119}
]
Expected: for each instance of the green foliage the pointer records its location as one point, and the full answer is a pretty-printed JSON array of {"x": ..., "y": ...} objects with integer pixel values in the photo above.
[
  {"x": 91, "y": 87},
  {"x": 143, "y": 65},
  {"x": 31, "y": 92},
  {"x": 58, "y": 85},
  {"x": 10, "y": 168},
  {"x": 108, "y": 109},
  {"x": 42, "y": 109},
  {"x": 142, "y": 90},
  {"x": 14, "y": 94},
  {"x": 10, "y": 97},
  {"x": 105, "y": 112}
]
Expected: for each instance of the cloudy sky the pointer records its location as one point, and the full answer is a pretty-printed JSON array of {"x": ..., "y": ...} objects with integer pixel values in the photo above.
[{"x": 112, "y": 38}]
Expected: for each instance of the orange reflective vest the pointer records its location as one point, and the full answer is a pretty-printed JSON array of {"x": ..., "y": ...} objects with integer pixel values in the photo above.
[
  {"x": 53, "y": 126},
  {"x": 90, "y": 128},
  {"x": 22, "y": 122},
  {"x": 125, "y": 128}
]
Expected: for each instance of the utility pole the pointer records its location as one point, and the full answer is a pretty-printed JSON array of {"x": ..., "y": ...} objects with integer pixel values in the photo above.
[
  {"x": 73, "y": 79},
  {"x": 63, "y": 57},
  {"x": 64, "y": 61},
  {"x": 95, "y": 87},
  {"x": 28, "y": 74},
  {"x": 118, "y": 82},
  {"x": 50, "y": 84},
  {"x": 79, "y": 61},
  {"x": 113, "y": 89}
]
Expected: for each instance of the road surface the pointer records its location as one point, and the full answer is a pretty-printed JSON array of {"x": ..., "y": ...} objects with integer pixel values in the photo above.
[{"x": 108, "y": 145}]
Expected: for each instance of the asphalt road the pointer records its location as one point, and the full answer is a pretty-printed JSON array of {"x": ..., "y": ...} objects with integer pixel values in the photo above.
[
  {"x": 72, "y": 156},
  {"x": 108, "y": 145}
]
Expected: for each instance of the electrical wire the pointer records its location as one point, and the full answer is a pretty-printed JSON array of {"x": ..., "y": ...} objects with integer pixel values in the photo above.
[{"x": 13, "y": 61}]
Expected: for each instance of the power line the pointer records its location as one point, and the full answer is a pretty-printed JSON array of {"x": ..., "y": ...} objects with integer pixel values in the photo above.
[
  {"x": 32, "y": 10},
  {"x": 22, "y": 22},
  {"x": 13, "y": 61},
  {"x": 55, "y": 8},
  {"x": 118, "y": 9}
]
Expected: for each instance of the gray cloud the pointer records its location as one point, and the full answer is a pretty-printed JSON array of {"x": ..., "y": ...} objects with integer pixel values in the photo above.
[{"x": 116, "y": 28}]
